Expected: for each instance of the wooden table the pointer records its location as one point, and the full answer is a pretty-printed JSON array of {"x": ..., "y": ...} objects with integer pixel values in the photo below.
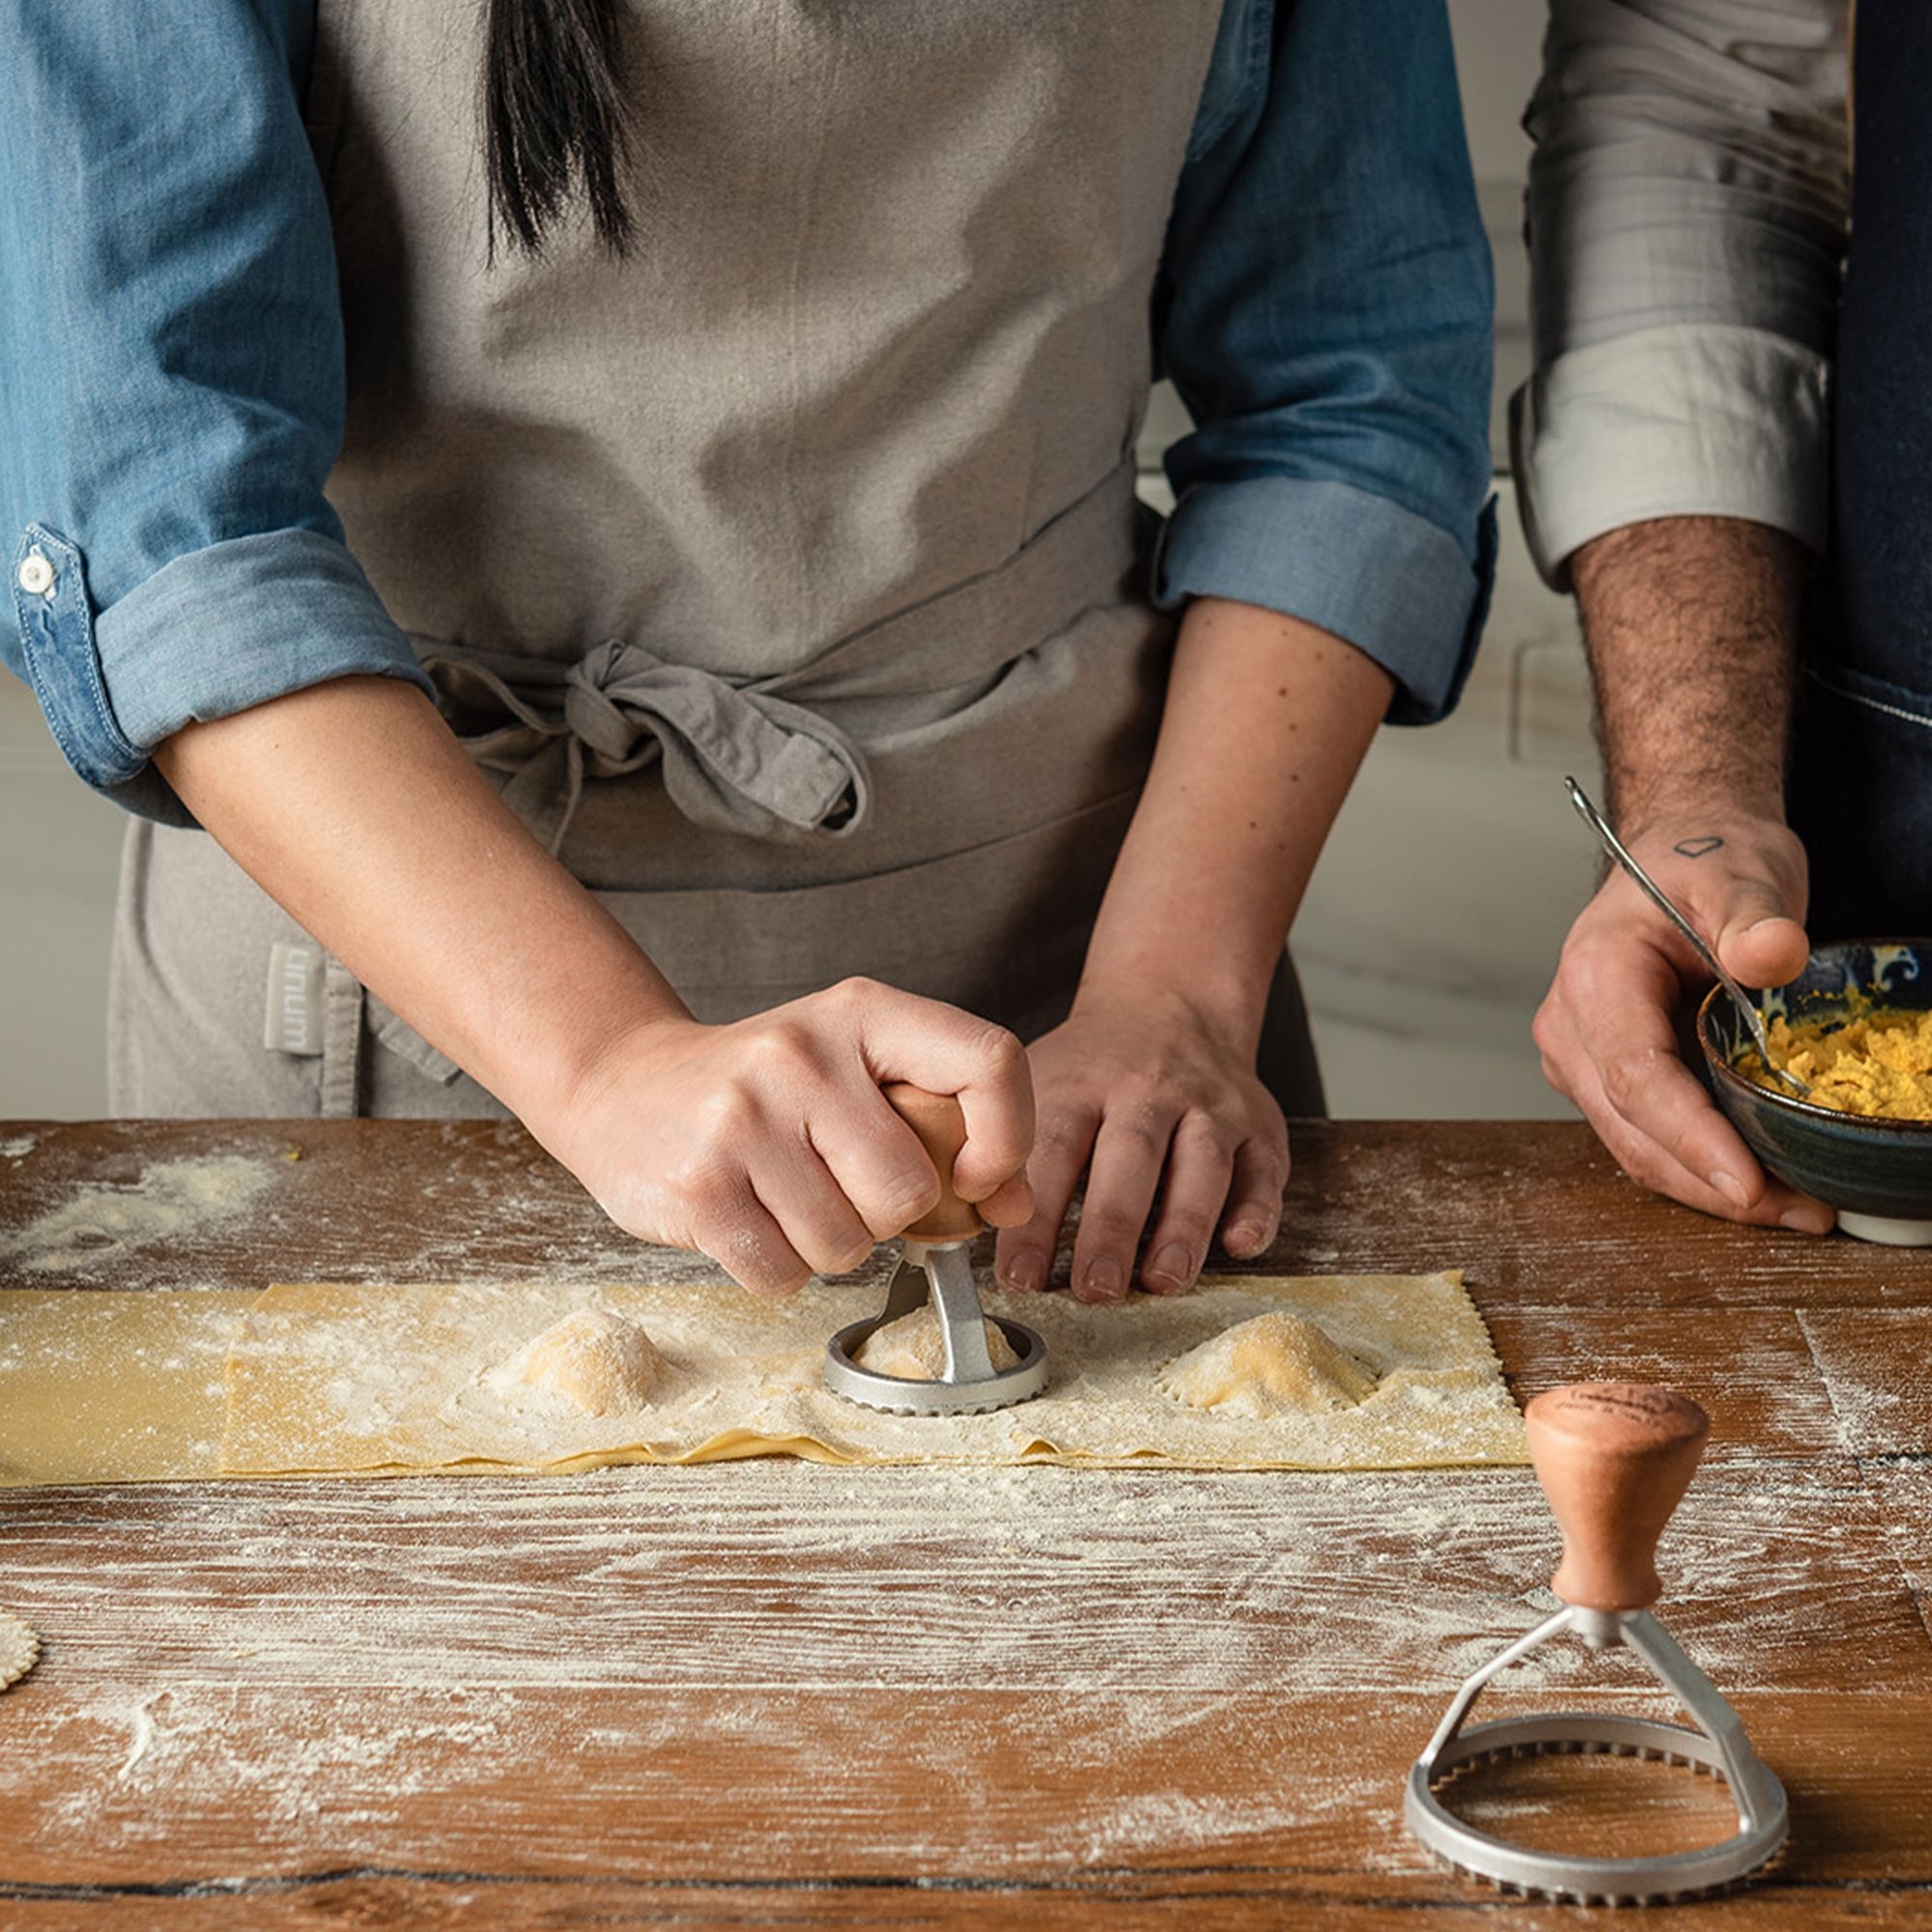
[{"x": 782, "y": 1694}]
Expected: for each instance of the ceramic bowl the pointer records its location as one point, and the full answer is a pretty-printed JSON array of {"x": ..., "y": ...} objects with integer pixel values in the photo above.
[{"x": 1877, "y": 1174}]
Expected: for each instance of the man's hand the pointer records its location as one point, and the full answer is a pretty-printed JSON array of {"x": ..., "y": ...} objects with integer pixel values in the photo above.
[
  {"x": 1164, "y": 1115},
  {"x": 1607, "y": 1028},
  {"x": 767, "y": 1144},
  {"x": 1691, "y": 624}
]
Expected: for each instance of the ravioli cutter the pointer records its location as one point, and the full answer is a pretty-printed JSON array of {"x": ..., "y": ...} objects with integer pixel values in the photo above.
[
  {"x": 1614, "y": 1459},
  {"x": 935, "y": 1265}
]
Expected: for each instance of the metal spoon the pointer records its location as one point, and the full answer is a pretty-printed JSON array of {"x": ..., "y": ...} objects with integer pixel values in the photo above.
[{"x": 1614, "y": 846}]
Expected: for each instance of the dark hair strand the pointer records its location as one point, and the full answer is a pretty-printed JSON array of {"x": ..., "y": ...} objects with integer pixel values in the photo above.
[{"x": 554, "y": 109}]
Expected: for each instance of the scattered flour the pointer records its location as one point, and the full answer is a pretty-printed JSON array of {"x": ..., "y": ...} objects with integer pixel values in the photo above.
[
  {"x": 144, "y": 1736},
  {"x": 170, "y": 1199},
  {"x": 404, "y": 1648}
]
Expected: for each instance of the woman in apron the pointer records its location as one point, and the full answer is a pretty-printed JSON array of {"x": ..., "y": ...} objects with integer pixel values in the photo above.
[{"x": 642, "y": 578}]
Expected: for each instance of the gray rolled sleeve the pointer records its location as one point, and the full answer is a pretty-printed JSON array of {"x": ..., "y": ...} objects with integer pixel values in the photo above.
[{"x": 1687, "y": 222}]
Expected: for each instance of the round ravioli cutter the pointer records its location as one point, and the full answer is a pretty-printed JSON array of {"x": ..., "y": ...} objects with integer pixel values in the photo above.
[
  {"x": 936, "y": 1266},
  {"x": 1614, "y": 1459}
]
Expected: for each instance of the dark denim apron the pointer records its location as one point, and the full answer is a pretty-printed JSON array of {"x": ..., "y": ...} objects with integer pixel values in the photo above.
[{"x": 1862, "y": 775}]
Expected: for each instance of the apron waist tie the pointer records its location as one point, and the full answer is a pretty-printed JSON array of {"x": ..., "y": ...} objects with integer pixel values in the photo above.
[
  {"x": 739, "y": 757},
  {"x": 736, "y": 757}
]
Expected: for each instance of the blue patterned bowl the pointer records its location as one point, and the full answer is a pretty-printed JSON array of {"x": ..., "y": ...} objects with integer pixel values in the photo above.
[{"x": 1877, "y": 1174}]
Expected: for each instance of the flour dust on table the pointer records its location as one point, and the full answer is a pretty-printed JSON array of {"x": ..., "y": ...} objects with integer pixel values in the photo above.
[{"x": 169, "y": 1200}]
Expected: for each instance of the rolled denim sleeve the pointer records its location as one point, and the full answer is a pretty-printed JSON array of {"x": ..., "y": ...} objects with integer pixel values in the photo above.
[
  {"x": 1688, "y": 203},
  {"x": 1325, "y": 312},
  {"x": 171, "y": 380}
]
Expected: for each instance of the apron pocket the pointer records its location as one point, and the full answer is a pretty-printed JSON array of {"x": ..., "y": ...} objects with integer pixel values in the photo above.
[
  {"x": 1860, "y": 798},
  {"x": 1874, "y": 695}
]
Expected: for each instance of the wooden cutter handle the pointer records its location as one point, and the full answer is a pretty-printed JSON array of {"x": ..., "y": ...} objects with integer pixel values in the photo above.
[
  {"x": 1614, "y": 1459},
  {"x": 940, "y": 1122}
]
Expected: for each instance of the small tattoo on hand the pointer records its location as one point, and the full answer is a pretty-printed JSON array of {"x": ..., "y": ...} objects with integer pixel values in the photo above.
[{"x": 1697, "y": 848}]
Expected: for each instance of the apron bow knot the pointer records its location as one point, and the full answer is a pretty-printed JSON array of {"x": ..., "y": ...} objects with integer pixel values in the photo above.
[{"x": 736, "y": 758}]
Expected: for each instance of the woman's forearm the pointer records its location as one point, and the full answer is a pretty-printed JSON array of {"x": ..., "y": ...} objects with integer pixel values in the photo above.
[
  {"x": 1266, "y": 722},
  {"x": 766, "y": 1143},
  {"x": 352, "y": 804}
]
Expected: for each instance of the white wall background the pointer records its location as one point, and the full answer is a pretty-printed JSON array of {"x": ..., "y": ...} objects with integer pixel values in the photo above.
[{"x": 1427, "y": 938}]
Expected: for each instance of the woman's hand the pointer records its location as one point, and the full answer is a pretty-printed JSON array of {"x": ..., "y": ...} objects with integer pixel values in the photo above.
[
  {"x": 767, "y": 1144},
  {"x": 1161, "y": 1110},
  {"x": 1606, "y": 1029},
  {"x": 1150, "y": 1086}
]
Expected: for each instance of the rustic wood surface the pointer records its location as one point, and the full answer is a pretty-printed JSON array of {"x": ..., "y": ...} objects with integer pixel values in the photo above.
[{"x": 782, "y": 1695}]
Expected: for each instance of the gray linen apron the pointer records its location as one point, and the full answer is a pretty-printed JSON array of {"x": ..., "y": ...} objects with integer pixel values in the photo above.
[{"x": 787, "y": 575}]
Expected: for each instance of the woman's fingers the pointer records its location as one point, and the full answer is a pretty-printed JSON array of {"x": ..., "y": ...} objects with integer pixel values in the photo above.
[
  {"x": 1254, "y": 1200},
  {"x": 1200, "y": 1166},
  {"x": 949, "y": 1051},
  {"x": 1160, "y": 1110},
  {"x": 873, "y": 1161},
  {"x": 767, "y": 1142},
  {"x": 1011, "y": 1204},
  {"x": 1130, "y": 1152},
  {"x": 815, "y": 1207},
  {"x": 736, "y": 1229},
  {"x": 1023, "y": 1256}
]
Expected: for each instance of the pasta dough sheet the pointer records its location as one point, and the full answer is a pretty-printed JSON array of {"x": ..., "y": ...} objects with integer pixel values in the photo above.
[
  {"x": 328, "y": 1378},
  {"x": 105, "y": 1386}
]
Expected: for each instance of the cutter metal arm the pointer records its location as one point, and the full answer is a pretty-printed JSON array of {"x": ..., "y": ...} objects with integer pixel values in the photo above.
[{"x": 936, "y": 1268}]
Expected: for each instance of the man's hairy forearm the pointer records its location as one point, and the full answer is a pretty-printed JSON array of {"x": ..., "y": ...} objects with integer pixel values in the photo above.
[{"x": 1691, "y": 624}]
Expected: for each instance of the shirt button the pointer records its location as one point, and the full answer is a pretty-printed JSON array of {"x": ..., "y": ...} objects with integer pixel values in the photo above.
[{"x": 37, "y": 575}]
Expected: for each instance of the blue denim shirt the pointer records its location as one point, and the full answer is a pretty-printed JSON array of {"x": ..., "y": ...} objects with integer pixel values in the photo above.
[{"x": 172, "y": 386}]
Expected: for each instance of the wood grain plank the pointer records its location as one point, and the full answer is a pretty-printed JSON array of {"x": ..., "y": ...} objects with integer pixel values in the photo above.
[
  {"x": 1751, "y": 1368},
  {"x": 1235, "y": 1901},
  {"x": 777, "y": 1694},
  {"x": 1875, "y": 1368},
  {"x": 1028, "y": 1579},
  {"x": 779, "y": 1786},
  {"x": 422, "y": 1200},
  {"x": 1904, "y": 1496},
  {"x": 1542, "y": 1216}
]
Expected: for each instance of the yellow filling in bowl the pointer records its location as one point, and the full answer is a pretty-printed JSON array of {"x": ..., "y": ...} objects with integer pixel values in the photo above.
[{"x": 1878, "y": 1064}]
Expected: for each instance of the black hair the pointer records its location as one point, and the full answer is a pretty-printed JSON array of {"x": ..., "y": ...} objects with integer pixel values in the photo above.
[{"x": 554, "y": 112}]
